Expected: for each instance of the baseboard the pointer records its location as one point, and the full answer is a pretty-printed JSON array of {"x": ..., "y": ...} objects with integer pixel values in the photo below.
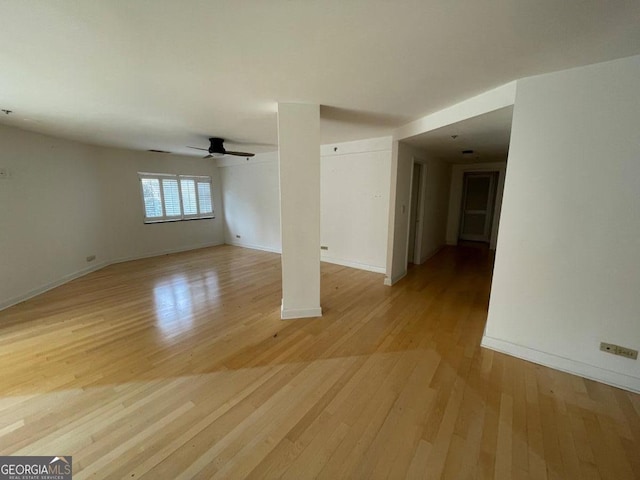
[
  {"x": 292, "y": 313},
  {"x": 50, "y": 286},
  {"x": 164, "y": 252},
  {"x": 81, "y": 273},
  {"x": 393, "y": 280},
  {"x": 567, "y": 365},
  {"x": 336, "y": 261},
  {"x": 254, "y": 247},
  {"x": 359, "y": 266}
]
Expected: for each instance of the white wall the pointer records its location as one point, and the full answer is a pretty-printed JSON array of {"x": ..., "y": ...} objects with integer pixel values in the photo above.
[
  {"x": 354, "y": 202},
  {"x": 65, "y": 201},
  {"x": 455, "y": 199},
  {"x": 436, "y": 200},
  {"x": 489, "y": 101},
  {"x": 251, "y": 200},
  {"x": 567, "y": 270},
  {"x": 129, "y": 236},
  {"x": 52, "y": 213},
  {"x": 354, "y": 205},
  {"x": 435, "y": 213}
]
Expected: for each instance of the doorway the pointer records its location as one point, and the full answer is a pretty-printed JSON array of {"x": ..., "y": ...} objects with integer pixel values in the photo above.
[
  {"x": 415, "y": 215},
  {"x": 478, "y": 202}
]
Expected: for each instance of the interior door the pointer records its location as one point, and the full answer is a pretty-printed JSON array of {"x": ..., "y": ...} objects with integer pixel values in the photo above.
[{"x": 477, "y": 206}]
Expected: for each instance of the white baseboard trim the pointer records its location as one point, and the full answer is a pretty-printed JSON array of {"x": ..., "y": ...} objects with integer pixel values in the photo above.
[
  {"x": 81, "y": 273},
  {"x": 347, "y": 263},
  {"x": 254, "y": 247},
  {"x": 50, "y": 286},
  {"x": 567, "y": 365},
  {"x": 389, "y": 281},
  {"x": 336, "y": 261},
  {"x": 164, "y": 252},
  {"x": 291, "y": 313}
]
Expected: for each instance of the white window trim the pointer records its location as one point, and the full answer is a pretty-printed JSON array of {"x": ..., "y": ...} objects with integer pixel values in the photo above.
[{"x": 182, "y": 217}]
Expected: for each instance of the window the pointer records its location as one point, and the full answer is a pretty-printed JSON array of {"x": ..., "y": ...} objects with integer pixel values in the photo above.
[{"x": 168, "y": 198}]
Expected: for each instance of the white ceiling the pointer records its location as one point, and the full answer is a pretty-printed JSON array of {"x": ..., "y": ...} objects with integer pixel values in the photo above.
[
  {"x": 164, "y": 74},
  {"x": 487, "y": 135}
]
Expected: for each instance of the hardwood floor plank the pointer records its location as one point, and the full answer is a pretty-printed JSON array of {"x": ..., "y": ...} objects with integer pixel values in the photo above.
[{"x": 180, "y": 367}]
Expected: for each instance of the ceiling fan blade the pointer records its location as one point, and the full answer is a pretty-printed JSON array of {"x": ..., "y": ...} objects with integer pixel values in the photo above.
[
  {"x": 240, "y": 154},
  {"x": 198, "y": 148},
  {"x": 250, "y": 144},
  {"x": 208, "y": 156}
]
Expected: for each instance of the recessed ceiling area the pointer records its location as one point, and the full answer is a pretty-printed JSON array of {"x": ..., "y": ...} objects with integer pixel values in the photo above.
[
  {"x": 486, "y": 135},
  {"x": 163, "y": 74}
]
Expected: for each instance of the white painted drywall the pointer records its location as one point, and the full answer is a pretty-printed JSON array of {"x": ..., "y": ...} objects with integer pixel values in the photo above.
[
  {"x": 567, "y": 273},
  {"x": 435, "y": 212},
  {"x": 251, "y": 199},
  {"x": 495, "y": 99},
  {"x": 299, "y": 163},
  {"x": 52, "y": 213},
  {"x": 455, "y": 199},
  {"x": 436, "y": 200},
  {"x": 354, "y": 209},
  {"x": 354, "y": 202},
  {"x": 130, "y": 237},
  {"x": 400, "y": 196},
  {"x": 65, "y": 201}
]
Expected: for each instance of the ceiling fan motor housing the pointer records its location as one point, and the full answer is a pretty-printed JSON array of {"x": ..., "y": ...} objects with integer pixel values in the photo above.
[{"x": 216, "y": 146}]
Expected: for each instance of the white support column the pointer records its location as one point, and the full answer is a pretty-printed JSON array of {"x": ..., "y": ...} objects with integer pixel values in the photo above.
[{"x": 299, "y": 149}]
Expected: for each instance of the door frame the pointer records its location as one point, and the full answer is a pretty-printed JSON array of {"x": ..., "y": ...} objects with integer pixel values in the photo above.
[
  {"x": 455, "y": 198},
  {"x": 489, "y": 212},
  {"x": 422, "y": 184}
]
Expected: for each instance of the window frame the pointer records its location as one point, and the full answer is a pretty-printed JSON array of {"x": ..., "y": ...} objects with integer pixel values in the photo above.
[{"x": 178, "y": 177}]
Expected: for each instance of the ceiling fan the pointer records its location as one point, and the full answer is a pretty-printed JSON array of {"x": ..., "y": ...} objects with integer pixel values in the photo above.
[{"x": 216, "y": 149}]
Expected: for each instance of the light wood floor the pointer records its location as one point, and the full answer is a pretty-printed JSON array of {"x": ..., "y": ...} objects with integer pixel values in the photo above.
[{"x": 179, "y": 367}]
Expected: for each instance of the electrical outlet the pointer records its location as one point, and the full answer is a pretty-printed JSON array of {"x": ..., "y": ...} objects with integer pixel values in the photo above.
[
  {"x": 607, "y": 347},
  {"x": 324, "y": 247},
  {"x": 618, "y": 350},
  {"x": 91, "y": 258}
]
